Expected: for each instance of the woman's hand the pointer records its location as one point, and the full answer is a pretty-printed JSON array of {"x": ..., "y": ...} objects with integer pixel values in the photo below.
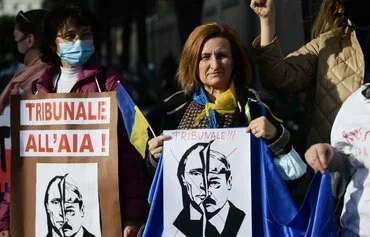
[
  {"x": 4, "y": 233},
  {"x": 156, "y": 145},
  {"x": 261, "y": 127},
  {"x": 16, "y": 90},
  {"x": 263, "y": 8},
  {"x": 130, "y": 231},
  {"x": 266, "y": 12},
  {"x": 318, "y": 156}
]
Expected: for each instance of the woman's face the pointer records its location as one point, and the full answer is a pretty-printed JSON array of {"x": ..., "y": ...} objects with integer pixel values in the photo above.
[
  {"x": 20, "y": 40},
  {"x": 74, "y": 45},
  {"x": 72, "y": 33},
  {"x": 216, "y": 65}
]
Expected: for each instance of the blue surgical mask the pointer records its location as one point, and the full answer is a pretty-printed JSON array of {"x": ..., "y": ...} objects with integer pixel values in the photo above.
[{"x": 76, "y": 53}]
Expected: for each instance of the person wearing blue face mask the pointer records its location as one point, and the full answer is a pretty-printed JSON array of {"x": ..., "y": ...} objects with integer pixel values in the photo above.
[{"x": 68, "y": 45}]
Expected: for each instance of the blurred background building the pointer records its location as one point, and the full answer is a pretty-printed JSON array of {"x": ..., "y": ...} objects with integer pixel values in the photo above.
[
  {"x": 142, "y": 39},
  {"x": 12, "y": 7},
  {"x": 136, "y": 33}
]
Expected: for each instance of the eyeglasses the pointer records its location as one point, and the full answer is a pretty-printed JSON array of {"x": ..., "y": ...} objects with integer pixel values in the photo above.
[
  {"x": 73, "y": 36},
  {"x": 21, "y": 15}
]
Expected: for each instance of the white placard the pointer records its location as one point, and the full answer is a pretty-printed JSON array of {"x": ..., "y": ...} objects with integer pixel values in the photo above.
[
  {"x": 67, "y": 200},
  {"x": 207, "y": 183}
]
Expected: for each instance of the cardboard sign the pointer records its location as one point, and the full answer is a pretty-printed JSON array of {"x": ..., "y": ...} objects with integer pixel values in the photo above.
[{"x": 64, "y": 171}]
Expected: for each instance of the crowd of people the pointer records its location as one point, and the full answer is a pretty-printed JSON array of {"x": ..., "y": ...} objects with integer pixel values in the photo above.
[{"x": 215, "y": 79}]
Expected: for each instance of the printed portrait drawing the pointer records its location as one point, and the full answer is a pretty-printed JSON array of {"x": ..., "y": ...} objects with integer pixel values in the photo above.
[
  {"x": 205, "y": 178},
  {"x": 64, "y": 206}
]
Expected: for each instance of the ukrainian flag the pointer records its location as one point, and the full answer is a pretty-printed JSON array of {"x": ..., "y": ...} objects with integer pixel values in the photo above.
[{"x": 135, "y": 122}]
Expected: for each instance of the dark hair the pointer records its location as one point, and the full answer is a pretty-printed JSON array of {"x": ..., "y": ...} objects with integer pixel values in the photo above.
[
  {"x": 73, "y": 188},
  {"x": 31, "y": 22},
  {"x": 55, "y": 20},
  {"x": 213, "y": 154},
  {"x": 203, "y": 147}
]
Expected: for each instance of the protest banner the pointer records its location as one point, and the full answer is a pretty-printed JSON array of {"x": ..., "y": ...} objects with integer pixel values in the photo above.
[
  {"x": 5, "y": 149},
  {"x": 64, "y": 171}
]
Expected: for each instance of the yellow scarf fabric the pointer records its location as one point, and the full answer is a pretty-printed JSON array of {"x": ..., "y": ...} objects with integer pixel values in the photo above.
[{"x": 225, "y": 104}]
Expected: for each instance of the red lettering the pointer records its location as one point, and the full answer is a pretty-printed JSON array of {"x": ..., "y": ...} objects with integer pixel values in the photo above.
[
  {"x": 57, "y": 113},
  {"x": 41, "y": 149},
  {"x": 223, "y": 135},
  {"x": 68, "y": 110},
  {"x": 48, "y": 113},
  {"x": 75, "y": 143},
  {"x": 206, "y": 135},
  {"x": 193, "y": 135},
  {"x": 38, "y": 112},
  {"x": 91, "y": 116},
  {"x": 86, "y": 144},
  {"x": 64, "y": 144},
  {"x": 31, "y": 144},
  {"x": 29, "y": 107},
  {"x": 213, "y": 136},
  {"x": 47, "y": 148},
  {"x": 102, "y": 109},
  {"x": 175, "y": 135},
  {"x": 81, "y": 113},
  {"x": 347, "y": 137},
  {"x": 183, "y": 136},
  {"x": 231, "y": 134}
]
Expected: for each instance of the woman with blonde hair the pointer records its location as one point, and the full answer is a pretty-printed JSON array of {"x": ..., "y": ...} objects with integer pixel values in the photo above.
[
  {"x": 330, "y": 67},
  {"x": 333, "y": 65}
]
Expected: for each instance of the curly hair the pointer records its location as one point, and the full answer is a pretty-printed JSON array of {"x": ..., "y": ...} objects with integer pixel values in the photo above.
[{"x": 59, "y": 19}]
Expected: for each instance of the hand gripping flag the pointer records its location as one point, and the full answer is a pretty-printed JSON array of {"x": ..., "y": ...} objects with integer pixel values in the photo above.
[
  {"x": 274, "y": 212},
  {"x": 135, "y": 123}
]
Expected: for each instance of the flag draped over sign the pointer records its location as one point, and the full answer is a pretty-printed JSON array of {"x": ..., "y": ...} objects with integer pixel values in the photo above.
[
  {"x": 135, "y": 123},
  {"x": 274, "y": 212}
]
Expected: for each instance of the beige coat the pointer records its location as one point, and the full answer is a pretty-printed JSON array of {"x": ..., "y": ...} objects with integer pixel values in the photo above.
[{"x": 330, "y": 66}]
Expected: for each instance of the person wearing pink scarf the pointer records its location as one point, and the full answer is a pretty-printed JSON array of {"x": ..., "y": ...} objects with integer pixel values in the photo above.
[{"x": 27, "y": 32}]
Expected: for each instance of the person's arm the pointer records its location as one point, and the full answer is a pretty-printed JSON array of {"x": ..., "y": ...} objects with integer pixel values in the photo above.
[
  {"x": 265, "y": 9},
  {"x": 293, "y": 73}
]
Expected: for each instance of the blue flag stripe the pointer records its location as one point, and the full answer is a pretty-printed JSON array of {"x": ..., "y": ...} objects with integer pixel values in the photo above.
[{"x": 126, "y": 106}]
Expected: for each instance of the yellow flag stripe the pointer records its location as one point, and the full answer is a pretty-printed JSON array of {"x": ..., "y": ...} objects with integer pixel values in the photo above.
[{"x": 139, "y": 135}]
